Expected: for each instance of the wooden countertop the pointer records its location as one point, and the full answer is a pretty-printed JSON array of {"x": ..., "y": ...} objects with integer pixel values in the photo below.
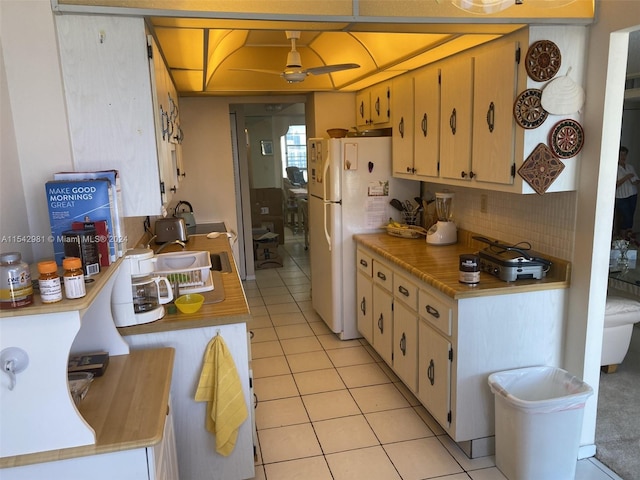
[
  {"x": 233, "y": 309},
  {"x": 126, "y": 407},
  {"x": 438, "y": 265}
]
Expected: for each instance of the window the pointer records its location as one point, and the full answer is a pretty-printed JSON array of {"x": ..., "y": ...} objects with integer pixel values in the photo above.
[{"x": 294, "y": 150}]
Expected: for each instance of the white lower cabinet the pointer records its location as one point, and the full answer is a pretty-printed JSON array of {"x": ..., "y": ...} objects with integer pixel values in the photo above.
[
  {"x": 434, "y": 373},
  {"x": 165, "y": 456},
  {"x": 196, "y": 451},
  {"x": 444, "y": 349},
  {"x": 405, "y": 331},
  {"x": 151, "y": 463},
  {"x": 383, "y": 323},
  {"x": 364, "y": 294}
]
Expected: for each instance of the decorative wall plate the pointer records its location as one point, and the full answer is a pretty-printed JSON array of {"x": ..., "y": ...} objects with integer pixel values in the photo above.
[
  {"x": 543, "y": 60},
  {"x": 566, "y": 138},
  {"x": 541, "y": 168},
  {"x": 528, "y": 110}
]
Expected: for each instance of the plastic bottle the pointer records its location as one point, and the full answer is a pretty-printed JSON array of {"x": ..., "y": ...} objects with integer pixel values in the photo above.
[
  {"x": 73, "y": 278},
  {"x": 16, "y": 289},
  {"x": 49, "y": 282}
]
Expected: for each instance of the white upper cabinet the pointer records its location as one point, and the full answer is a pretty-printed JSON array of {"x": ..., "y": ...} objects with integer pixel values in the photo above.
[
  {"x": 111, "y": 96},
  {"x": 416, "y": 124},
  {"x": 456, "y": 108},
  {"x": 493, "y": 121},
  {"x": 402, "y": 132},
  {"x": 479, "y": 143},
  {"x": 373, "y": 106}
]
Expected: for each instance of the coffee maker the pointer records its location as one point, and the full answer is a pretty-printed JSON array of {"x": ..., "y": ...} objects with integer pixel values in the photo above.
[
  {"x": 137, "y": 297},
  {"x": 444, "y": 231}
]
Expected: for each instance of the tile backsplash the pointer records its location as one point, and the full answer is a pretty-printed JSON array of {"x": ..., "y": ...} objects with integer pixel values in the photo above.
[{"x": 547, "y": 221}]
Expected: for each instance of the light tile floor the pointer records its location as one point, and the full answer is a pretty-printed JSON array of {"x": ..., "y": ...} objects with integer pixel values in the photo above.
[{"x": 333, "y": 410}]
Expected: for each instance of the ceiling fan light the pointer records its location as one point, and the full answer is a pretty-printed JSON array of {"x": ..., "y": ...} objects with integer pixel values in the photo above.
[
  {"x": 484, "y": 6},
  {"x": 294, "y": 76},
  {"x": 293, "y": 59}
]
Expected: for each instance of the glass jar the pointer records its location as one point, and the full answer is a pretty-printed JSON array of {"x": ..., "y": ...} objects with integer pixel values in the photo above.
[
  {"x": 49, "y": 282},
  {"x": 16, "y": 289},
  {"x": 73, "y": 278}
]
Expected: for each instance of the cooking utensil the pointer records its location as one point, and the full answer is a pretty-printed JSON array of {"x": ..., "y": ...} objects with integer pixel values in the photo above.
[{"x": 397, "y": 204}]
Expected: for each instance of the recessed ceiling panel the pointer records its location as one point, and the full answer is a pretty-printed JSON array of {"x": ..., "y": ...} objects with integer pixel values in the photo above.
[
  {"x": 182, "y": 48},
  {"x": 387, "y": 48}
]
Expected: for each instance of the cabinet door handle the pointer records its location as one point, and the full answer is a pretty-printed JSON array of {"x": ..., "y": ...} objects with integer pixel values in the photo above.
[
  {"x": 164, "y": 122},
  {"x": 401, "y": 127},
  {"x": 491, "y": 116},
  {"x": 174, "y": 189},
  {"x": 364, "y": 263},
  {"x": 432, "y": 311},
  {"x": 431, "y": 372},
  {"x": 424, "y": 125},
  {"x": 403, "y": 290},
  {"x": 452, "y": 121},
  {"x": 362, "y": 109},
  {"x": 363, "y": 306},
  {"x": 381, "y": 323},
  {"x": 403, "y": 344},
  {"x": 377, "y": 106},
  {"x": 382, "y": 276}
]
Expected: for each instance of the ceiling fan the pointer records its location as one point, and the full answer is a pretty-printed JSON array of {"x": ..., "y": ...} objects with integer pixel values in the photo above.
[{"x": 293, "y": 71}]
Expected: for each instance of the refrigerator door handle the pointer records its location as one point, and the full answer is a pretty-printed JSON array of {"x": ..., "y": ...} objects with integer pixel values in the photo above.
[
  {"x": 326, "y": 231},
  {"x": 325, "y": 170}
]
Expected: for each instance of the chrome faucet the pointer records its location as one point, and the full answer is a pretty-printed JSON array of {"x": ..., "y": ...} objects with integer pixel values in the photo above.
[{"x": 175, "y": 242}]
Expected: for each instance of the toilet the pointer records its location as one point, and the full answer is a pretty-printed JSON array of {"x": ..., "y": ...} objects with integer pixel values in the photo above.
[{"x": 620, "y": 315}]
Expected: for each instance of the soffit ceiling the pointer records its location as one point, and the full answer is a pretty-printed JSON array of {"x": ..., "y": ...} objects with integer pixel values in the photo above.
[
  {"x": 208, "y": 45},
  {"x": 210, "y": 57}
]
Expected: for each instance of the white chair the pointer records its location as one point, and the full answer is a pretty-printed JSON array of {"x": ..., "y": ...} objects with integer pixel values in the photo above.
[{"x": 620, "y": 315}]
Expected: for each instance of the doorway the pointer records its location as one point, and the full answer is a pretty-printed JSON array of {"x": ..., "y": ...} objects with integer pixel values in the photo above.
[
  {"x": 617, "y": 438},
  {"x": 269, "y": 144}
]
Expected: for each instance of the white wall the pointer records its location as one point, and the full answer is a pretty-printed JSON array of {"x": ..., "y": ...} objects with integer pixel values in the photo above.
[
  {"x": 606, "y": 69},
  {"x": 35, "y": 139}
]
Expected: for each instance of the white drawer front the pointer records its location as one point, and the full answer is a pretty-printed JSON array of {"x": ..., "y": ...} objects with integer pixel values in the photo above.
[
  {"x": 382, "y": 275},
  {"x": 436, "y": 311},
  {"x": 364, "y": 262},
  {"x": 405, "y": 291}
]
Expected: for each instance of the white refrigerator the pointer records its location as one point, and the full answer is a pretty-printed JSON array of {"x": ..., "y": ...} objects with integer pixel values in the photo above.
[{"x": 350, "y": 186}]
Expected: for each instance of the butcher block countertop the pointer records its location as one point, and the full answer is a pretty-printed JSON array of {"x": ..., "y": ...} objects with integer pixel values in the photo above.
[
  {"x": 126, "y": 407},
  {"x": 438, "y": 265},
  {"x": 224, "y": 305}
]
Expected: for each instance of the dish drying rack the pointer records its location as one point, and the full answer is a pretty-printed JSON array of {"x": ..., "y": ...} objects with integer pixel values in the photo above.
[{"x": 192, "y": 270}]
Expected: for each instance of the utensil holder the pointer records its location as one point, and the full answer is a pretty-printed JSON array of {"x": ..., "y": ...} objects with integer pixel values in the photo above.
[{"x": 409, "y": 218}]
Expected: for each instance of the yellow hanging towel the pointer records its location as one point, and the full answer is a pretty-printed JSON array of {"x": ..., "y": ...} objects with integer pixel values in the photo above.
[{"x": 221, "y": 388}]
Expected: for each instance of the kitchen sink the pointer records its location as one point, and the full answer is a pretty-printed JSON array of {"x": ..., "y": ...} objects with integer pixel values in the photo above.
[
  {"x": 220, "y": 262},
  {"x": 204, "y": 228}
]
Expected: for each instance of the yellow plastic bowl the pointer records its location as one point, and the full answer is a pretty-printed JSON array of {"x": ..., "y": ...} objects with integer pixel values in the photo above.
[{"x": 189, "y": 303}]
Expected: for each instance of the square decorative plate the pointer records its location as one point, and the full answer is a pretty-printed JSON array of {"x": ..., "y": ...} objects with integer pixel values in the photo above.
[{"x": 541, "y": 168}]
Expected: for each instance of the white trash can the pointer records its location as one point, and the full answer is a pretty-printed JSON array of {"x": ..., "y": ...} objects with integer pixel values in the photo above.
[{"x": 538, "y": 414}]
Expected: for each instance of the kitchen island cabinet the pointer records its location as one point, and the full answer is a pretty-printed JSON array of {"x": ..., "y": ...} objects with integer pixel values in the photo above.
[
  {"x": 224, "y": 313},
  {"x": 115, "y": 84},
  {"x": 464, "y": 333},
  {"x": 129, "y": 409},
  {"x": 48, "y": 334}
]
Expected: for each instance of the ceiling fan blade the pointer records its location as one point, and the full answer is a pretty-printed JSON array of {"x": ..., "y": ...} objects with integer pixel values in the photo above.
[
  {"x": 257, "y": 70},
  {"x": 331, "y": 68}
]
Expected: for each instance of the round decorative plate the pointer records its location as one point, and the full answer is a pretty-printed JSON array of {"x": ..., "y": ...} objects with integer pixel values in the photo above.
[
  {"x": 528, "y": 110},
  {"x": 566, "y": 138},
  {"x": 543, "y": 60}
]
